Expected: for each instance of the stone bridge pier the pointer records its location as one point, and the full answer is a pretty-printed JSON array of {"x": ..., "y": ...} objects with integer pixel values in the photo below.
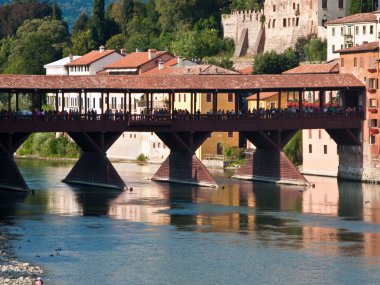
[
  {"x": 93, "y": 167},
  {"x": 10, "y": 176},
  {"x": 269, "y": 163},
  {"x": 182, "y": 165}
]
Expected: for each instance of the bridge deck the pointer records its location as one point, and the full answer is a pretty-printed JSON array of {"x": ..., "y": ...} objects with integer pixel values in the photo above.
[{"x": 180, "y": 123}]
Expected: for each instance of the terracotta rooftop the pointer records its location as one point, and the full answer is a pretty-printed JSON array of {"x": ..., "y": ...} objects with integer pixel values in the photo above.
[
  {"x": 134, "y": 60},
  {"x": 90, "y": 57},
  {"x": 200, "y": 69},
  {"x": 361, "y": 48},
  {"x": 248, "y": 70},
  {"x": 263, "y": 95},
  {"x": 356, "y": 18},
  {"x": 178, "y": 83},
  {"x": 314, "y": 68}
]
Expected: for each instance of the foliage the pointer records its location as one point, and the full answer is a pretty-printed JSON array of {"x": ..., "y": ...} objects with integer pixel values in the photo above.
[
  {"x": 274, "y": 63},
  {"x": 37, "y": 42},
  {"x": 293, "y": 149},
  {"x": 13, "y": 16},
  {"x": 81, "y": 43},
  {"x": 81, "y": 23},
  {"x": 361, "y": 6},
  {"x": 142, "y": 158},
  {"x": 247, "y": 4},
  {"x": 316, "y": 50},
  {"x": 98, "y": 22},
  {"x": 46, "y": 145},
  {"x": 222, "y": 61},
  {"x": 234, "y": 156}
]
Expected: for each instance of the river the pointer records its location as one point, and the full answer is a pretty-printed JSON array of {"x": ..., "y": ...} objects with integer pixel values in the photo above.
[{"x": 242, "y": 233}]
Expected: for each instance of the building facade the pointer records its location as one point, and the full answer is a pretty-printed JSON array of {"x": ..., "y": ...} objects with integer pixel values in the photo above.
[{"x": 279, "y": 25}]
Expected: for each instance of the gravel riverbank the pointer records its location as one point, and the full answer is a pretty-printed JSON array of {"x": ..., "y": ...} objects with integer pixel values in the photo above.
[{"x": 13, "y": 271}]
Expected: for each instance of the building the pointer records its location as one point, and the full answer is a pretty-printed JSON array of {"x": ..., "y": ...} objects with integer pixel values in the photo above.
[
  {"x": 352, "y": 31},
  {"x": 59, "y": 67},
  {"x": 363, "y": 162},
  {"x": 280, "y": 23}
]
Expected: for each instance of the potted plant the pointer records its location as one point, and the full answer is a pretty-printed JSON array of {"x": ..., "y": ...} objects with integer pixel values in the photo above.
[
  {"x": 371, "y": 69},
  {"x": 373, "y": 131},
  {"x": 371, "y": 90}
]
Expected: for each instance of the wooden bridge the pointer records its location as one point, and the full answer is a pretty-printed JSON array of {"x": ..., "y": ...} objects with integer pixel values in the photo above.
[{"x": 183, "y": 134}]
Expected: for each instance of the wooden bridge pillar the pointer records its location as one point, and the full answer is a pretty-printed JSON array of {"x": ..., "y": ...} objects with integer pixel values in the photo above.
[
  {"x": 93, "y": 167},
  {"x": 269, "y": 163},
  {"x": 182, "y": 165},
  {"x": 10, "y": 176}
]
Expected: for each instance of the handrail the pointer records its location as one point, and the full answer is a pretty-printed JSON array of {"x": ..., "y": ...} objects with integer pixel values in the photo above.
[{"x": 154, "y": 118}]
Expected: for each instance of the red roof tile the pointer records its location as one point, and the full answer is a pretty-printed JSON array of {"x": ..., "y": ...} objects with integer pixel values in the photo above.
[
  {"x": 178, "y": 83},
  {"x": 314, "y": 68},
  {"x": 361, "y": 48},
  {"x": 200, "y": 69},
  {"x": 134, "y": 60},
  {"x": 356, "y": 18},
  {"x": 90, "y": 57}
]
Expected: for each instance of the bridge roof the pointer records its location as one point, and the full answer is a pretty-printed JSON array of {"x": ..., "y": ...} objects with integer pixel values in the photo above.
[{"x": 178, "y": 83}]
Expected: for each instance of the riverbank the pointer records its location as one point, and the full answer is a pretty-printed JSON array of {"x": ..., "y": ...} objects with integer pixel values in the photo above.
[{"x": 13, "y": 271}]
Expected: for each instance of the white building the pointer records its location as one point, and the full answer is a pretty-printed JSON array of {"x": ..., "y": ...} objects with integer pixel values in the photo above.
[
  {"x": 352, "y": 31},
  {"x": 59, "y": 67}
]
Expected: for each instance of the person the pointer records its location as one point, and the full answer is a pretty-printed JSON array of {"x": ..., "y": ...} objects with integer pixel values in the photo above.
[{"x": 39, "y": 281}]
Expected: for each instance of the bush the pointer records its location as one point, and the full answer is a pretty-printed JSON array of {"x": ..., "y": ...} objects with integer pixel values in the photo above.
[{"x": 142, "y": 158}]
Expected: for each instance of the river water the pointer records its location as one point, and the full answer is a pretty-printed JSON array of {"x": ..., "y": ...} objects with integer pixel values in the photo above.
[{"x": 243, "y": 233}]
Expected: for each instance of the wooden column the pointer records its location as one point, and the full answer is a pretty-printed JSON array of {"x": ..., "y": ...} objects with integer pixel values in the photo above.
[
  {"x": 195, "y": 102},
  {"x": 191, "y": 103},
  {"x": 236, "y": 98},
  {"x": 151, "y": 102},
  {"x": 17, "y": 106},
  {"x": 130, "y": 102},
  {"x": 80, "y": 103},
  {"x": 342, "y": 94},
  {"x": 258, "y": 101},
  {"x": 56, "y": 102},
  {"x": 102, "y": 104},
  {"x": 147, "y": 102},
  {"x": 63, "y": 101},
  {"x": 125, "y": 103},
  {"x": 300, "y": 108},
  {"x": 85, "y": 103},
  {"x": 214, "y": 102},
  {"x": 108, "y": 100},
  {"x": 9, "y": 101},
  {"x": 279, "y": 99}
]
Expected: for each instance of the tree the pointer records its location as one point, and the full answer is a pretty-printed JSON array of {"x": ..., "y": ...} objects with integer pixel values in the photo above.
[
  {"x": 247, "y": 4},
  {"x": 361, "y": 6},
  {"x": 81, "y": 43},
  {"x": 316, "y": 50},
  {"x": 81, "y": 24},
  {"x": 274, "y": 63},
  {"x": 56, "y": 12},
  {"x": 98, "y": 23},
  {"x": 38, "y": 42}
]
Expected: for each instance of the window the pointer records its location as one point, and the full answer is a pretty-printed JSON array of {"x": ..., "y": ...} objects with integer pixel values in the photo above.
[
  {"x": 230, "y": 134},
  {"x": 230, "y": 97},
  {"x": 208, "y": 97},
  {"x": 310, "y": 134},
  {"x": 179, "y": 97},
  {"x": 333, "y": 48},
  {"x": 184, "y": 97},
  {"x": 294, "y": 6},
  {"x": 310, "y": 148},
  {"x": 284, "y": 23},
  {"x": 297, "y": 21},
  {"x": 372, "y": 83},
  {"x": 134, "y": 135},
  {"x": 373, "y": 103},
  {"x": 324, "y": 4},
  {"x": 325, "y": 149},
  {"x": 274, "y": 23},
  {"x": 364, "y": 30},
  {"x": 357, "y": 30},
  {"x": 342, "y": 62},
  {"x": 340, "y": 4},
  {"x": 274, "y": 8},
  {"x": 372, "y": 139},
  {"x": 355, "y": 62},
  {"x": 333, "y": 32},
  {"x": 269, "y": 23},
  {"x": 154, "y": 145},
  {"x": 320, "y": 134},
  {"x": 371, "y": 30},
  {"x": 372, "y": 123},
  {"x": 158, "y": 145}
]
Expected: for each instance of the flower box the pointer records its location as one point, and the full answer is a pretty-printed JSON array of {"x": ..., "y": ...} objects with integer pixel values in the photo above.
[
  {"x": 371, "y": 90},
  {"x": 372, "y": 110},
  {"x": 373, "y": 131},
  {"x": 372, "y": 70}
]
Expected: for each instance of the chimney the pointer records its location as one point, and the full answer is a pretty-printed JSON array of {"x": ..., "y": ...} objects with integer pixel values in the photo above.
[
  {"x": 151, "y": 53},
  {"x": 137, "y": 50},
  {"x": 123, "y": 51},
  {"x": 180, "y": 61},
  {"x": 101, "y": 49},
  {"x": 71, "y": 58},
  {"x": 160, "y": 65}
]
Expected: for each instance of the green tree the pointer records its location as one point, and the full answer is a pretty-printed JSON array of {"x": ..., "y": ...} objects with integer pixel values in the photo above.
[
  {"x": 38, "y": 41},
  {"x": 98, "y": 22},
  {"x": 316, "y": 50},
  {"x": 81, "y": 24},
  {"x": 361, "y": 6},
  {"x": 247, "y": 4},
  {"x": 56, "y": 13},
  {"x": 81, "y": 43},
  {"x": 116, "y": 42},
  {"x": 274, "y": 63},
  {"x": 293, "y": 149}
]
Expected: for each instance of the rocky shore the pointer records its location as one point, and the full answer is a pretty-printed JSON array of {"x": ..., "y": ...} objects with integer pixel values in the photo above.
[{"x": 13, "y": 271}]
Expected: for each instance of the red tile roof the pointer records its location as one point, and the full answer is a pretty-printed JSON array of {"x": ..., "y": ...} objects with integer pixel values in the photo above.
[
  {"x": 134, "y": 60},
  {"x": 200, "y": 69},
  {"x": 178, "y": 83},
  {"x": 263, "y": 95},
  {"x": 361, "y": 48},
  {"x": 90, "y": 57},
  {"x": 314, "y": 68},
  {"x": 248, "y": 70},
  {"x": 356, "y": 18}
]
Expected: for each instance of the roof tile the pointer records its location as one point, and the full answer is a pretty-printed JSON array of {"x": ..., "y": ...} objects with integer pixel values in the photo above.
[
  {"x": 90, "y": 57},
  {"x": 361, "y": 48},
  {"x": 356, "y": 18}
]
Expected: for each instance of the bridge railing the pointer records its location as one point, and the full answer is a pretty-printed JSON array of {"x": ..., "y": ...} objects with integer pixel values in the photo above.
[{"x": 157, "y": 118}]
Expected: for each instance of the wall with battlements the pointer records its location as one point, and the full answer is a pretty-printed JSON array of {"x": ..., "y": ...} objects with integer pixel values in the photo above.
[{"x": 285, "y": 21}]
